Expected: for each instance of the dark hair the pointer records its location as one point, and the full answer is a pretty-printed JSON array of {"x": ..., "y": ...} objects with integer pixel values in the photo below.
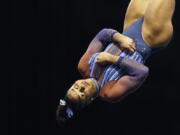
[{"x": 75, "y": 104}]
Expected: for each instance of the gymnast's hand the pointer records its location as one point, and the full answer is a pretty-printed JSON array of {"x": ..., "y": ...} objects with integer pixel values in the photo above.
[
  {"x": 125, "y": 42},
  {"x": 105, "y": 58}
]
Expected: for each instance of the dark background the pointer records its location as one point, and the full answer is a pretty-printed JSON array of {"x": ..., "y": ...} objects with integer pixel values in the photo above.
[{"x": 46, "y": 40}]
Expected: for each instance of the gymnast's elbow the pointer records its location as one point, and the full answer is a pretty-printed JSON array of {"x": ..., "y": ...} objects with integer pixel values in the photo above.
[
  {"x": 80, "y": 67},
  {"x": 142, "y": 74},
  {"x": 83, "y": 70},
  {"x": 103, "y": 32}
]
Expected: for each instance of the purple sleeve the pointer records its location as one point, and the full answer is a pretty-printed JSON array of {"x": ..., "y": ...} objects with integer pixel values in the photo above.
[
  {"x": 106, "y": 36},
  {"x": 134, "y": 68}
]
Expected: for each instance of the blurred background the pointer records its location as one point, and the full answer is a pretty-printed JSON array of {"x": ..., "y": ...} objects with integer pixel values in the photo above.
[{"x": 46, "y": 38}]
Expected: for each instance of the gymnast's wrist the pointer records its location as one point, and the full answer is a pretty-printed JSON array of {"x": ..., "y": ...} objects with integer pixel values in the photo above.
[
  {"x": 115, "y": 59},
  {"x": 117, "y": 37}
]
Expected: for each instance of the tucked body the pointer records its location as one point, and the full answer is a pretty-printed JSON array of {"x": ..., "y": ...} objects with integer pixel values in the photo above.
[
  {"x": 148, "y": 27},
  {"x": 113, "y": 65}
]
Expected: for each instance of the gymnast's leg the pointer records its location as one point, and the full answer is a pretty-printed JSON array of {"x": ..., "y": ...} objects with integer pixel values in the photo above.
[
  {"x": 157, "y": 28},
  {"x": 135, "y": 10}
]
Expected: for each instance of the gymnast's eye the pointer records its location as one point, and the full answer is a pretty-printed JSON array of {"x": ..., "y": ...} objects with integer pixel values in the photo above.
[
  {"x": 75, "y": 86},
  {"x": 86, "y": 83}
]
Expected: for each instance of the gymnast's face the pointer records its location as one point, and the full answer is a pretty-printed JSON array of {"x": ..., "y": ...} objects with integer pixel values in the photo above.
[{"x": 82, "y": 90}]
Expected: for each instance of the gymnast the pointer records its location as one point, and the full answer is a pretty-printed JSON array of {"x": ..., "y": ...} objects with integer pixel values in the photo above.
[{"x": 113, "y": 65}]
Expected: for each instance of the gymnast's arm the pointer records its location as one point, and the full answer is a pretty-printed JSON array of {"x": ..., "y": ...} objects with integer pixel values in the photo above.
[
  {"x": 135, "y": 74},
  {"x": 98, "y": 44}
]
